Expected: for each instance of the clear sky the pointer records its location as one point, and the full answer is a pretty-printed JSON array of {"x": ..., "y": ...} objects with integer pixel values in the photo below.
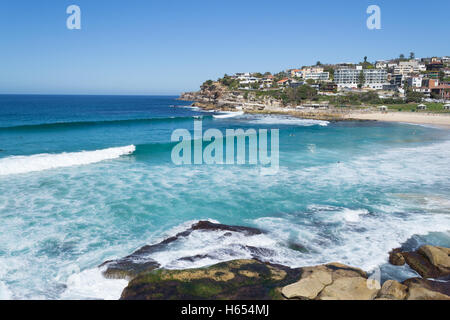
[{"x": 166, "y": 47}]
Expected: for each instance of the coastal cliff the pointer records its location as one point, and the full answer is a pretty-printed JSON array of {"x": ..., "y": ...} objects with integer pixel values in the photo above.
[{"x": 258, "y": 280}]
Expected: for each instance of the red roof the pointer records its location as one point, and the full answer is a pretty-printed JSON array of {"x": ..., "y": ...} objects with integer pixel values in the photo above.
[{"x": 283, "y": 80}]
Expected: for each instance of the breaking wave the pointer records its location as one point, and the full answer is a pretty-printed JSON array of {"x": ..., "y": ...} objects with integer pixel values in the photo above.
[{"x": 46, "y": 161}]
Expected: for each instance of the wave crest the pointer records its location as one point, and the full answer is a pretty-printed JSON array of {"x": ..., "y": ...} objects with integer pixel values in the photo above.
[{"x": 46, "y": 161}]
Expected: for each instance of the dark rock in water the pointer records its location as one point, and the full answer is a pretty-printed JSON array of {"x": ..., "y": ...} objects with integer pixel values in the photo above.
[
  {"x": 139, "y": 261},
  {"x": 256, "y": 253},
  {"x": 196, "y": 257},
  {"x": 260, "y": 252},
  {"x": 297, "y": 247},
  {"x": 206, "y": 225},
  {"x": 396, "y": 258},
  {"x": 237, "y": 280},
  {"x": 127, "y": 268}
]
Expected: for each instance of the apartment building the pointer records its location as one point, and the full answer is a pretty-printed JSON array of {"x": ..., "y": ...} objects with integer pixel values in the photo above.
[
  {"x": 318, "y": 76},
  {"x": 411, "y": 66},
  {"x": 349, "y": 78}
]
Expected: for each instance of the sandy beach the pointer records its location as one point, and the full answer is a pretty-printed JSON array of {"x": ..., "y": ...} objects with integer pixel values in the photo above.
[{"x": 441, "y": 120}]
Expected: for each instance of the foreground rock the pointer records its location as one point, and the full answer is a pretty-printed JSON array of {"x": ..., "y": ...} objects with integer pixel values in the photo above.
[
  {"x": 428, "y": 261},
  {"x": 393, "y": 290},
  {"x": 255, "y": 280},
  {"x": 422, "y": 289},
  {"x": 237, "y": 280},
  {"x": 332, "y": 281}
]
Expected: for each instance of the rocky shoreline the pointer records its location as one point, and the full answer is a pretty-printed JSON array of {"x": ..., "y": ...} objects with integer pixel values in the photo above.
[
  {"x": 254, "y": 279},
  {"x": 223, "y": 100},
  {"x": 220, "y": 98}
]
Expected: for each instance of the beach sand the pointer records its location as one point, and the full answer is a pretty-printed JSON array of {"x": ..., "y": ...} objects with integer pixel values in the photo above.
[{"x": 441, "y": 120}]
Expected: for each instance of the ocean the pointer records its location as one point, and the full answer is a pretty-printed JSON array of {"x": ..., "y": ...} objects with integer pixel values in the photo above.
[{"x": 85, "y": 179}]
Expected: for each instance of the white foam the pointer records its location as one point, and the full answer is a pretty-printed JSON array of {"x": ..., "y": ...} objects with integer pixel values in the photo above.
[
  {"x": 46, "y": 161},
  {"x": 285, "y": 120},
  {"x": 90, "y": 284},
  {"x": 5, "y": 293},
  {"x": 353, "y": 215},
  {"x": 228, "y": 115}
]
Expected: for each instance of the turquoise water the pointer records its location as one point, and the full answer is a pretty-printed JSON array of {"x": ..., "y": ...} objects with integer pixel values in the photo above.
[{"x": 345, "y": 192}]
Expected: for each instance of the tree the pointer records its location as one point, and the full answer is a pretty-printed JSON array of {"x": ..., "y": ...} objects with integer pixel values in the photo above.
[
  {"x": 361, "y": 79},
  {"x": 303, "y": 92},
  {"x": 441, "y": 76},
  {"x": 402, "y": 57},
  {"x": 412, "y": 55},
  {"x": 412, "y": 96},
  {"x": 365, "y": 59},
  {"x": 318, "y": 63}
]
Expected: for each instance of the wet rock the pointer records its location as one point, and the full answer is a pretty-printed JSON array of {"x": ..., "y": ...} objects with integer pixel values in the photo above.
[
  {"x": 140, "y": 261},
  {"x": 429, "y": 261},
  {"x": 392, "y": 290},
  {"x": 238, "y": 279},
  {"x": 297, "y": 247},
  {"x": 421, "y": 265},
  {"x": 127, "y": 268},
  {"x": 422, "y": 289},
  {"x": 396, "y": 258},
  {"x": 207, "y": 225},
  {"x": 438, "y": 257}
]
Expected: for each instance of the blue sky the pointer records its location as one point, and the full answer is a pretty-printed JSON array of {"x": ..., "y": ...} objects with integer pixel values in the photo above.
[{"x": 166, "y": 47}]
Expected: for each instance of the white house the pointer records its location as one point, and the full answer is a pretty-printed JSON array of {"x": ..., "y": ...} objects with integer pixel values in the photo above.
[{"x": 415, "y": 82}]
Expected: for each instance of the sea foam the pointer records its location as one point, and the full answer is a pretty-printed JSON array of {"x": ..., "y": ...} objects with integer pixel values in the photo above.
[
  {"x": 228, "y": 115},
  {"x": 45, "y": 161}
]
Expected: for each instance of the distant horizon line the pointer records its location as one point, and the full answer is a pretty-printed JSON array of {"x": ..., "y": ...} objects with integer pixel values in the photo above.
[{"x": 90, "y": 94}]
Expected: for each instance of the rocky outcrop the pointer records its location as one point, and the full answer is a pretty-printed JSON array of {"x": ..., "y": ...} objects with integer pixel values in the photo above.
[
  {"x": 422, "y": 289},
  {"x": 237, "y": 280},
  {"x": 332, "y": 281},
  {"x": 439, "y": 257},
  {"x": 396, "y": 258},
  {"x": 392, "y": 290},
  {"x": 340, "y": 282},
  {"x": 139, "y": 261},
  {"x": 254, "y": 279},
  {"x": 428, "y": 261}
]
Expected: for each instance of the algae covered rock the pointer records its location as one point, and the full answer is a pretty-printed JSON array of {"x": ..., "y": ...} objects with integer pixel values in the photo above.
[{"x": 238, "y": 279}]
